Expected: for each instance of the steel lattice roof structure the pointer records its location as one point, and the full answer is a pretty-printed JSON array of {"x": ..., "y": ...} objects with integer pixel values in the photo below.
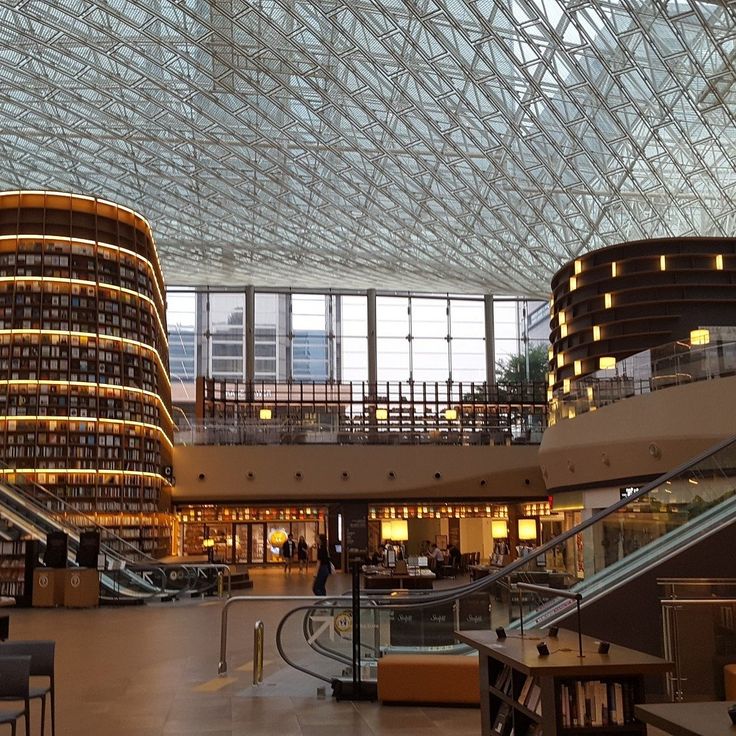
[{"x": 434, "y": 145}]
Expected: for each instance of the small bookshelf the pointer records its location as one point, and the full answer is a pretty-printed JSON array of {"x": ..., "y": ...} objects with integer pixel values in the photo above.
[{"x": 560, "y": 694}]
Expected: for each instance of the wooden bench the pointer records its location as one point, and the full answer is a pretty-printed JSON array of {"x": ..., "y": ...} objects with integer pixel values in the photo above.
[{"x": 434, "y": 679}]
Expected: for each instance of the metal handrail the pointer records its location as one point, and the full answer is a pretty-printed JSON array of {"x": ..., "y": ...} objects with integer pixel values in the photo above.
[
  {"x": 222, "y": 666},
  {"x": 72, "y": 509}
]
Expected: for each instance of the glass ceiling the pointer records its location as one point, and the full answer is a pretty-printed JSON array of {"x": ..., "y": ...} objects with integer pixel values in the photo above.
[{"x": 457, "y": 145}]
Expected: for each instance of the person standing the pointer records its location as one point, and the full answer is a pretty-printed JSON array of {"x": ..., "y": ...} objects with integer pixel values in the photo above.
[
  {"x": 302, "y": 553},
  {"x": 288, "y": 552},
  {"x": 324, "y": 567}
]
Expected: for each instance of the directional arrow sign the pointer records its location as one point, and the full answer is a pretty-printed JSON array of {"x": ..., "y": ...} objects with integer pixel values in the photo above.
[{"x": 325, "y": 624}]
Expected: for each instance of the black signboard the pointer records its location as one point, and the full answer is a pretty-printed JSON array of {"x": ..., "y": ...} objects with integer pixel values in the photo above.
[
  {"x": 355, "y": 532},
  {"x": 89, "y": 549},
  {"x": 56, "y": 549}
]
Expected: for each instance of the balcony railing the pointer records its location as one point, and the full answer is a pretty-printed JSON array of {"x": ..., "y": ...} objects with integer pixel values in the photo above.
[
  {"x": 360, "y": 413},
  {"x": 668, "y": 365}
]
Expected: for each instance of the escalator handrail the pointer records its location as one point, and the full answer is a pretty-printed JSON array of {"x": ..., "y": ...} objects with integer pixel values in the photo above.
[
  {"x": 72, "y": 509},
  {"x": 448, "y": 594}
]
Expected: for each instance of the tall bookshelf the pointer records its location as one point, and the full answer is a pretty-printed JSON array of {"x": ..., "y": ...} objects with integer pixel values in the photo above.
[
  {"x": 85, "y": 398},
  {"x": 561, "y": 694}
]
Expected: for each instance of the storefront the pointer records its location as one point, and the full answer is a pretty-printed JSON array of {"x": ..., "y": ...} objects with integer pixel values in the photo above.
[{"x": 246, "y": 534}]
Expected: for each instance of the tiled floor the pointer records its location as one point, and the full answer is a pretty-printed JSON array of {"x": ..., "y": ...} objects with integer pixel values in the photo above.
[{"x": 152, "y": 670}]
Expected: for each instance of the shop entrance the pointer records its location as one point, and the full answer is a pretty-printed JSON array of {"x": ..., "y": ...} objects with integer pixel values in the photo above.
[{"x": 253, "y": 542}]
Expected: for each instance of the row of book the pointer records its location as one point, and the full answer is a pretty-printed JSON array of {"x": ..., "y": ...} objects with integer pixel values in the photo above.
[
  {"x": 530, "y": 693},
  {"x": 589, "y": 703}
]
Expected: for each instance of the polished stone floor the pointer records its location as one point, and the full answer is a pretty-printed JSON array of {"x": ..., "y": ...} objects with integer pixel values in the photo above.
[{"x": 152, "y": 671}]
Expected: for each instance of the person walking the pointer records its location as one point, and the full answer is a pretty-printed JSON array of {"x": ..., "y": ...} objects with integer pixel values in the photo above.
[
  {"x": 324, "y": 567},
  {"x": 302, "y": 553},
  {"x": 288, "y": 552}
]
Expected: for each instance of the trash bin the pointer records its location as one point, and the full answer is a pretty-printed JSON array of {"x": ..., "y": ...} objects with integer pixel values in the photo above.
[
  {"x": 48, "y": 587},
  {"x": 81, "y": 588}
]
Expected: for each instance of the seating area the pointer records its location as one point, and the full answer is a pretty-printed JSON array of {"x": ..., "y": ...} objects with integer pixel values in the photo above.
[
  {"x": 437, "y": 679},
  {"x": 26, "y": 674}
]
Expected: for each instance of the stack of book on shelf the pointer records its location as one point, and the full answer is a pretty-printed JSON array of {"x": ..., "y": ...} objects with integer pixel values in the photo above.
[
  {"x": 504, "y": 680},
  {"x": 588, "y": 703},
  {"x": 530, "y": 695}
]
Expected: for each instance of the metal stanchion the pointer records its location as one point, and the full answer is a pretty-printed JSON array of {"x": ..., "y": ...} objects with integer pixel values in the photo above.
[
  {"x": 258, "y": 640},
  {"x": 220, "y": 585}
]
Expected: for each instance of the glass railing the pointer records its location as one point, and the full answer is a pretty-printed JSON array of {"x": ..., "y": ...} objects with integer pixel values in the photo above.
[
  {"x": 615, "y": 545},
  {"x": 673, "y": 364},
  {"x": 237, "y": 412},
  {"x": 702, "y": 611}
]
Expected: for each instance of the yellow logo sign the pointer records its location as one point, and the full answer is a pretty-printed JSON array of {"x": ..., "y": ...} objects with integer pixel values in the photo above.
[
  {"x": 343, "y": 622},
  {"x": 277, "y": 538}
]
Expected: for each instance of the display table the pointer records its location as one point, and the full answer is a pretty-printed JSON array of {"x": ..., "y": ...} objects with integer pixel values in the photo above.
[
  {"x": 383, "y": 581},
  {"x": 689, "y": 719},
  {"x": 522, "y": 690}
]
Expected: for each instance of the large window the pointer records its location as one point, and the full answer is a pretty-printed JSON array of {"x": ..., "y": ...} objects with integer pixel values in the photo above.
[{"x": 324, "y": 337}]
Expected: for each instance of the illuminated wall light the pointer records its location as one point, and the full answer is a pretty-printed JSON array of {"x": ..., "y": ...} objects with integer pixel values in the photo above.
[
  {"x": 663, "y": 263},
  {"x": 589, "y": 393},
  {"x": 608, "y": 300},
  {"x": 560, "y": 360},
  {"x": 563, "y": 331},
  {"x": 549, "y": 394},
  {"x": 561, "y": 317},
  {"x": 499, "y": 529},
  {"x": 550, "y": 353},
  {"x": 578, "y": 367},
  {"x": 719, "y": 262},
  {"x": 381, "y": 414},
  {"x": 614, "y": 269},
  {"x": 451, "y": 414},
  {"x": 693, "y": 481},
  {"x": 566, "y": 385},
  {"x": 550, "y": 379},
  {"x": 571, "y": 413},
  {"x": 578, "y": 266},
  {"x": 699, "y": 337},
  {"x": 527, "y": 529},
  {"x": 573, "y": 283},
  {"x": 264, "y": 414},
  {"x": 596, "y": 333},
  {"x": 607, "y": 362}
]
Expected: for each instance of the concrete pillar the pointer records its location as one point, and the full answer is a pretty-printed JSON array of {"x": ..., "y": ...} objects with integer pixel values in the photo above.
[{"x": 490, "y": 340}]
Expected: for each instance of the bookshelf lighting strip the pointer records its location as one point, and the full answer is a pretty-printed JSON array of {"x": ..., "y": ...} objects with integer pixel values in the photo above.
[
  {"x": 88, "y": 384},
  {"x": 100, "y": 420},
  {"x": 94, "y": 336},
  {"x": 81, "y": 471},
  {"x": 88, "y": 284},
  {"x": 94, "y": 244}
]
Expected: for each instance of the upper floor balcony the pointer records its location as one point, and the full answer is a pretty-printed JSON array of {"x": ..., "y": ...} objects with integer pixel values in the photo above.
[{"x": 239, "y": 412}]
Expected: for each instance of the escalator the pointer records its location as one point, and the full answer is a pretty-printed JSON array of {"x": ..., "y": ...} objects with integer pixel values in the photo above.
[
  {"x": 127, "y": 573},
  {"x": 681, "y": 523}
]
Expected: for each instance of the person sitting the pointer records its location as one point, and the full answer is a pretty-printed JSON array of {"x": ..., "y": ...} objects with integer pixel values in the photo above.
[
  {"x": 454, "y": 556},
  {"x": 436, "y": 559}
]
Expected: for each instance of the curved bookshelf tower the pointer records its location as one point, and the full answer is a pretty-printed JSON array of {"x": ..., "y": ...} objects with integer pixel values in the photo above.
[
  {"x": 85, "y": 398},
  {"x": 615, "y": 302}
]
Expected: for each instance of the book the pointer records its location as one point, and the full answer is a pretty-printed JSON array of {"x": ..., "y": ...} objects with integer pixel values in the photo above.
[
  {"x": 502, "y": 717},
  {"x": 525, "y": 689}
]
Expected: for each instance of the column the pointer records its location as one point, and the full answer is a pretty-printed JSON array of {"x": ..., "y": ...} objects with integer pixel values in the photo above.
[
  {"x": 372, "y": 343},
  {"x": 490, "y": 340},
  {"x": 250, "y": 334}
]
